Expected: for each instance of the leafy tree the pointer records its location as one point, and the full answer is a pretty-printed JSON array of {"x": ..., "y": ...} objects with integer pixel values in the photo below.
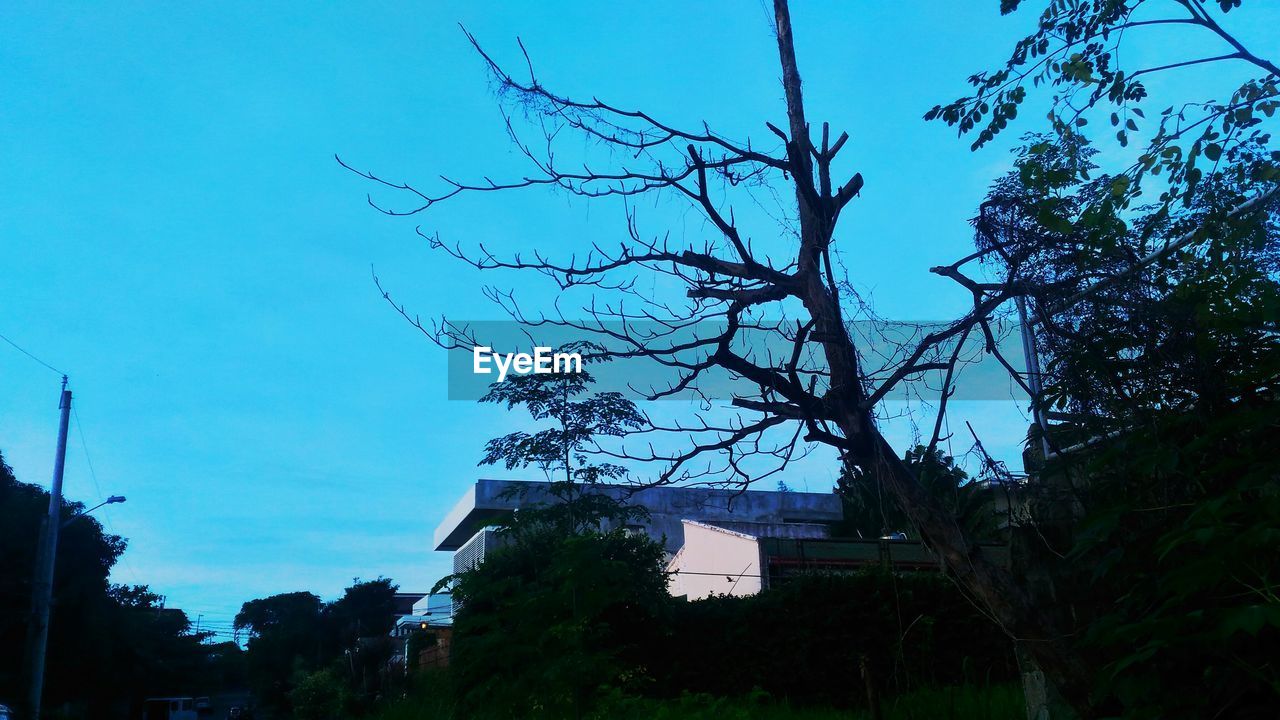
[
  {"x": 566, "y": 606},
  {"x": 293, "y": 636},
  {"x": 559, "y": 451},
  {"x": 110, "y": 646},
  {"x": 760, "y": 307},
  {"x": 1164, "y": 379},
  {"x": 366, "y": 609},
  {"x": 286, "y": 636},
  {"x": 869, "y": 512},
  {"x": 1157, "y": 323},
  {"x": 320, "y": 695},
  {"x": 549, "y": 620},
  {"x": 563, "y": 451},
  {"x": 362, "y": 620},
  {"x": 1076, "y": 51}
]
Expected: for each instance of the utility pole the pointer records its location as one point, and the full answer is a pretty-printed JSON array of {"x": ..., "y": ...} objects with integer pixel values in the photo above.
[
  {"x": 1031, "y": 354},
  {"x": 46, "y": 554}
]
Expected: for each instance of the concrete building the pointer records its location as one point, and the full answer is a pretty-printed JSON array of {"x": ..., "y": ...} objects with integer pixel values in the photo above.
[
  {"x": 718, "y": 542},
  {"x": 728, "y": 558},
  {"x": 466, "y": 529},
  {"x": 432, "y": 613},
  {"x": 745, "y": 558},
  {"x": 404, "y": 602}
]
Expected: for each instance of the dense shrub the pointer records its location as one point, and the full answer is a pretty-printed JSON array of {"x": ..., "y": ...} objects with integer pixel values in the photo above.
[
  {"x": 808, "y": 639},
  {"x": 548, "y": 624},
  {"x": 550, "y": 620},
  {"x": 320, "y": 695}
]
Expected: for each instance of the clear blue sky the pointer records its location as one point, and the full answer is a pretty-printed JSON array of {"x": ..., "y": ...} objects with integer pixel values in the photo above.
[{"x": 175, "y": 234}]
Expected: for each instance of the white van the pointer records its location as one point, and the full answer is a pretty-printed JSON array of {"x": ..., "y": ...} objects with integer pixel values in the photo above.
[{"x": 171, "y": 708}]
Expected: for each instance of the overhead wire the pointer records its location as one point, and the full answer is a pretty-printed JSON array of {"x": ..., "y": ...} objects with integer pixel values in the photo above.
[
  {"x": 84, "y": 446},
  {"x": 24, "y": 351},
  {"x": 93, "y": 475}
]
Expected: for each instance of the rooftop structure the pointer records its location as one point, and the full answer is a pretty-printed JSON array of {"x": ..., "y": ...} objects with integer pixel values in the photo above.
[
  {"x": 489, "y": 501},
  {"x": 721, "y": 558}
]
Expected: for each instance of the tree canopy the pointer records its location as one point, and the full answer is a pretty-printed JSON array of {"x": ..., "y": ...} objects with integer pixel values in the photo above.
[{"x": 110, "y": 646}]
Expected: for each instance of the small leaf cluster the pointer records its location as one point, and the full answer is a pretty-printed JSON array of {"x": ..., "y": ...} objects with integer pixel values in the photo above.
[
  {"x": 577, "y": 416},
  {"x": 1075, "y": 50}
]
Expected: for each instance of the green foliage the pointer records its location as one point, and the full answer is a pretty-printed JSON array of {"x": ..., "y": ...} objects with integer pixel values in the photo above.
[
  {"x": 429, "y": 696},
  {"x": 805, "y": 641},
  {"x": 870, "y": 512},
  {"x": 109, "y": 646},
  {"x": 1168, "y": 373},
  {"x": 560, "y": 450},
  {"x": 1174, "y": 570},
  {"x": 366, "y": 609},
  {"x": 320, "y": 695},
  {"x": 547, "y": 621},
  {"x": 1076, "y": 51},
  {"x": 567, "y": 605},
  {"x": 284, "y": 634},
  {"x": 1168, "y": 376},
  {"x": 1150, "y": 337},
  {"x": 965, "y": 702},
  {"x": 296, "y": 635},
  {"x": 699, "y": 706},
  {"x": 547, "y": 646},
  {"x": 431, "y": 699}
]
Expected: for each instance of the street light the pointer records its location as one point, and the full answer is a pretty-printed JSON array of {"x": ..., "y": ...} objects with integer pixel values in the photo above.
[{"x": 109, "y": 501}]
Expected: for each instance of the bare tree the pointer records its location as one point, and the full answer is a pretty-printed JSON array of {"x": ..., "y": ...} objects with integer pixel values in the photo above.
[{"x": 821, "y": 390}]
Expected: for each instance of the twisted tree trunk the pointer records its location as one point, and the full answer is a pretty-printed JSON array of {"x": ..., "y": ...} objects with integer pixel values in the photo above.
[{"x": 988, "y": 584}]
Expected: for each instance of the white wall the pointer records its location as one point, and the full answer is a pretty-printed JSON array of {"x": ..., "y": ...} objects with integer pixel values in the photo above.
[{"x": 714, "y": 561}]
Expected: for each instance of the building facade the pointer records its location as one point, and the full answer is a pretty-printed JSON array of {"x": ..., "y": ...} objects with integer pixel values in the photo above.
[
  {"x": 745, "y": 558},
  {"x": 467, "y": 529}
]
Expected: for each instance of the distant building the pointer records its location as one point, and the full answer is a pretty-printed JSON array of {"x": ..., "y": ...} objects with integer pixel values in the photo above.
[
  {"x": 432, "y": 613},
  {"x": 718, "y": 542},
  {"x": 404, "y": 602},
  {"x": 467, "y": 529},
  {"x": 731, "y": 558}
]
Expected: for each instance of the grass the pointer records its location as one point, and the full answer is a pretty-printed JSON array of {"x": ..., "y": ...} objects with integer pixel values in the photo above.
[
  {"x": 967, "y": 702},
  {"x": 946, "y": 703},
  {"x": 962, "y": 702}
]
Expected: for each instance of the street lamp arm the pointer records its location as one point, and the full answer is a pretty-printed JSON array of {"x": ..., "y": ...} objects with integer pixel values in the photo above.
[{"x": 109, "y": 501}]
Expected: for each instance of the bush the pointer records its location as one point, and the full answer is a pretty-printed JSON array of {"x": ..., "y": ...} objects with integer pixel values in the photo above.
[
  {"x": 431, "y": 701},
  {"x": 549, "y": 620},
  {"x": 320, "y": 695},
  {"x": 806, "y": 640},
  {"x": 545, "y": 628}
]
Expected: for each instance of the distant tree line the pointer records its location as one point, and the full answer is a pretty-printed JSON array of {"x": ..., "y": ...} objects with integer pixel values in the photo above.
[
  {"x": 316, "y": 659},
  {"x": 110, "y": 646}
]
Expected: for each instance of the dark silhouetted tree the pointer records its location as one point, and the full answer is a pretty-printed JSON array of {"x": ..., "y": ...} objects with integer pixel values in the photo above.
[{"x": 772, "y": 316}]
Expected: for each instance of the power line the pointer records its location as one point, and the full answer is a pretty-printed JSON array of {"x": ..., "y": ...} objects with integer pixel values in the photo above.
[
  {"x": 75, "y": 413},
  {"x": 106, "y": 514},
  {"x": 20, "y": 349}
]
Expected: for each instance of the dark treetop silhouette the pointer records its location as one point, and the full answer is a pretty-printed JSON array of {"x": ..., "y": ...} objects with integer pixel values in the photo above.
[{"x": 820, "y": 391}]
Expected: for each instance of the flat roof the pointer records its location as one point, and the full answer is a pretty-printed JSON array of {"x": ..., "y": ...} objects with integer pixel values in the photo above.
[{"x": 488, "y": 501}]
